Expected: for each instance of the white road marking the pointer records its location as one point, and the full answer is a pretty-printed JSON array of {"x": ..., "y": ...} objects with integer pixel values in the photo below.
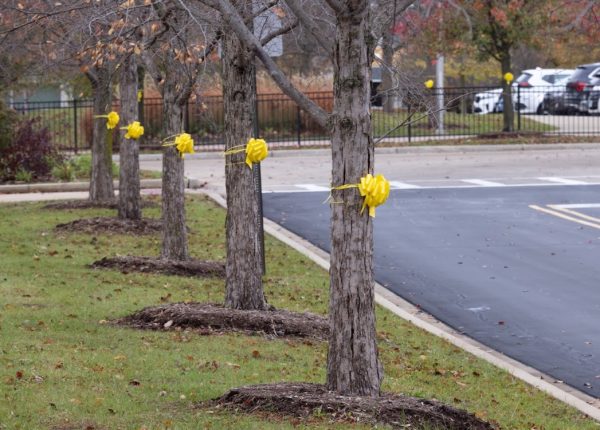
[
  {"x": 563, "y": 181},
  {"x": 403, "y": 185},
  {"x": 563, "y": 216},
  {"x": 575, "y": 213},
  {"x": 468, "y": 183},
  {"x": 311, "y": 187},
  {"x": 577, "y": 206},
  {"x": 483, "y": 182}
]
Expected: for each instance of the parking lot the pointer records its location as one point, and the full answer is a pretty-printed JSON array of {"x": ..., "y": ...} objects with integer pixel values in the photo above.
[{"x": 516, "y": 268}]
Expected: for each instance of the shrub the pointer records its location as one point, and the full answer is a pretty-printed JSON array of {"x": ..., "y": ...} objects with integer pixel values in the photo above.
[
  {"x": 79, "y": 167},
  {"x": 23, "y": 176},
  {"x": 30, "y": 150},
  {"x": 8, "y": 120}
]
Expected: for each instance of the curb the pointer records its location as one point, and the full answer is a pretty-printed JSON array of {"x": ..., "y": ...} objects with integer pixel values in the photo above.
[
  {"x": 403, "y": 309},
  {"x": 61, "y": 187},
  {"x": 279, "y": 153}
]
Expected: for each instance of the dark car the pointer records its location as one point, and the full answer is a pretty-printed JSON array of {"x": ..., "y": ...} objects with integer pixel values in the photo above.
[{"x": 581, "y": 93}]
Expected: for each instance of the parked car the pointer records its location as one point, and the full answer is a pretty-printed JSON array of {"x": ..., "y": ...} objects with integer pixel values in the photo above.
[
  {"x": 583, "y": 89},
  {"x": 487, "y": 101},
  {"x": 533, "y": 85},
  {"x": 528, "y": 91},
  {"x": 554, "y": 103}
]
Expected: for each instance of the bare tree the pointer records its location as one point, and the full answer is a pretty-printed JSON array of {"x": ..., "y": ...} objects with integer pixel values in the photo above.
[
  {"x": 244, "y": 289},
  {"x": 353, "y": 364},
  {"x": 173, "y": 55}
]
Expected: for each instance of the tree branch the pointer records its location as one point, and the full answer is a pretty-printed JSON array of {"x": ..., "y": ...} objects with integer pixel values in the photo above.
[
  {"x": 311, "y": 25},
  {"x": 236, "y": 23},
  {"x": 278, "y": 32}
]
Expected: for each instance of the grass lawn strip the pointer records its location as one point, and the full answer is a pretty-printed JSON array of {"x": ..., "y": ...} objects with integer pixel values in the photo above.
[{"x": 62, "y": 364}]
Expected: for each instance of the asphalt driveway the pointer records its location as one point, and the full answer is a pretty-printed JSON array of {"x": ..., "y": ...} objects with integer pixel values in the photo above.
[{"x": 516, "y": 268}]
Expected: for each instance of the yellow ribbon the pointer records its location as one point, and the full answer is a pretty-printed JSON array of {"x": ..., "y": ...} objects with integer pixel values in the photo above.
[
  {"x": 375, "y": 190},
  {"x": 112, "y": 119},
  {"x": 184, "y": 144},
  {"x": 134, "y": 130},
  {"x": 256, "y": 151}
]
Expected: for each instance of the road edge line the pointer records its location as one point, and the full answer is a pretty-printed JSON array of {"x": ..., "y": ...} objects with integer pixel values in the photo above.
[{"x": 408, "y": 312}]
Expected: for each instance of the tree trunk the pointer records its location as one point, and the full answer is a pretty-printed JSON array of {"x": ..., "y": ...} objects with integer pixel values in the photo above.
[
  {"x": 386, "y": 71},
  {"x": 129, "y": 149},
  {"x": 174, "y": 244},
  {"x": 244, "y": 289},
  {"x": 352, "y": 364},
  {"x": 101, "y": 185},
  {"x": 508, "y": 113}
]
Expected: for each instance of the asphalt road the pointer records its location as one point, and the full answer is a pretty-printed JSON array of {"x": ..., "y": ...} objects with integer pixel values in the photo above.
[{"x": 522, "y": 280}]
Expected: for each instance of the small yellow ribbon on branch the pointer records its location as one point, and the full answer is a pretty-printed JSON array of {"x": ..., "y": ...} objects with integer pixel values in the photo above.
[
  {"x": 183, "y": 143},
  {"x": 375, "y": 190},
  {"x": 256, "y": 151},
  {"x": 112, "y": 119},
  {"x": 134, "y": 130},
  {"x": 508, "y": 77}
]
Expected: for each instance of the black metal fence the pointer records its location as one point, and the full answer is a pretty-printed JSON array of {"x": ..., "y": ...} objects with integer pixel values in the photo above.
[{"x": 469, "y": 111}]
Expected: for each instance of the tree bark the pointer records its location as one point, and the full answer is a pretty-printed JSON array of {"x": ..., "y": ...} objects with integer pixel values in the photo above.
[
  {"x": 244, "y": 289},
  {"x": 101, "y": 185},
  {"x": 352, "y": 364},
  {"x": 174, "y": 244},
  {"x": 508, "y": 113},
  {"x": 129, "y": 149}
]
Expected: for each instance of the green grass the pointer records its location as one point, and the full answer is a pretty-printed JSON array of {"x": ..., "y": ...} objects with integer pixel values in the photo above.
[
  {"x": 454, "y": 124},
  {"x": 79, "y": 168},
  {"x": 63, "y": 367}
]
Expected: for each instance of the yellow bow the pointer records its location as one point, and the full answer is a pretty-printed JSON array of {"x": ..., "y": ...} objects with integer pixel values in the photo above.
[
  {"x": 112, "y": 119},
  {"x": 184, "y": 144},
  {"x": 256, "y": 151},
  {"x": 134, "y": 130},
  {"x": 375, "y": 190}
]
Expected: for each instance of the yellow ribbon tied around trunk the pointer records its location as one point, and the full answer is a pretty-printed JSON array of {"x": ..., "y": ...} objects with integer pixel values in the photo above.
[
  {"x": 375, "y": 190},
  {"x": 112, "y": 119},
  {"x": 184, "y": 144},
  {"x": 256, "y": 151},
  {"x": 134, "y": 130}
]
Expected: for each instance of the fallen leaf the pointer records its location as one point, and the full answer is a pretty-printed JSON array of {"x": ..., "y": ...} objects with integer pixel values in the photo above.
[{"x": 168, "y": 324}]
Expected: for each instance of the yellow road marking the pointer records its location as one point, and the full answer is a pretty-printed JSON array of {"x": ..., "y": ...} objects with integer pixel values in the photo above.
[
  {"x": 563, "y": 216},
  {"x": 575, "y": 213}
]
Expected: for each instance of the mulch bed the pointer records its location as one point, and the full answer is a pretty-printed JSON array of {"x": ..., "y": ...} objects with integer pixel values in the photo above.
[
  {"x": 89, "y": 204},
  {"x": 111, "y": 225},
  {"x": 193, "y": 268},
  {"x": 303, "y": 400},
  {"x": 208, "y": 318}
]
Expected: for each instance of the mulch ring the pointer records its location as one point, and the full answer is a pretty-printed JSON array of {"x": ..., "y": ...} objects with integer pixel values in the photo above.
[
  {"x": 210, "y": 318},
  {"x": 305, "y": 401},
  {"x": 193, "y": 268},
  {"x": 111, "y": 225},
  {"x": 90, "y": 204}
]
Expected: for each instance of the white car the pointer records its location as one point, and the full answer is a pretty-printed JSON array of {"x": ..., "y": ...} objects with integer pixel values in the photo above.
[
  {"x": 487, "y": 101},
  {"x": 533, "y": 84}
]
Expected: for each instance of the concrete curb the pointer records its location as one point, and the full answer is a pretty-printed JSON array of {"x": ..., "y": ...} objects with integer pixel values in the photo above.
[
  {"x": 60, "y": 187},
  {"x": 278, "y": 153},
  {"x": 400, "y": 307}
]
